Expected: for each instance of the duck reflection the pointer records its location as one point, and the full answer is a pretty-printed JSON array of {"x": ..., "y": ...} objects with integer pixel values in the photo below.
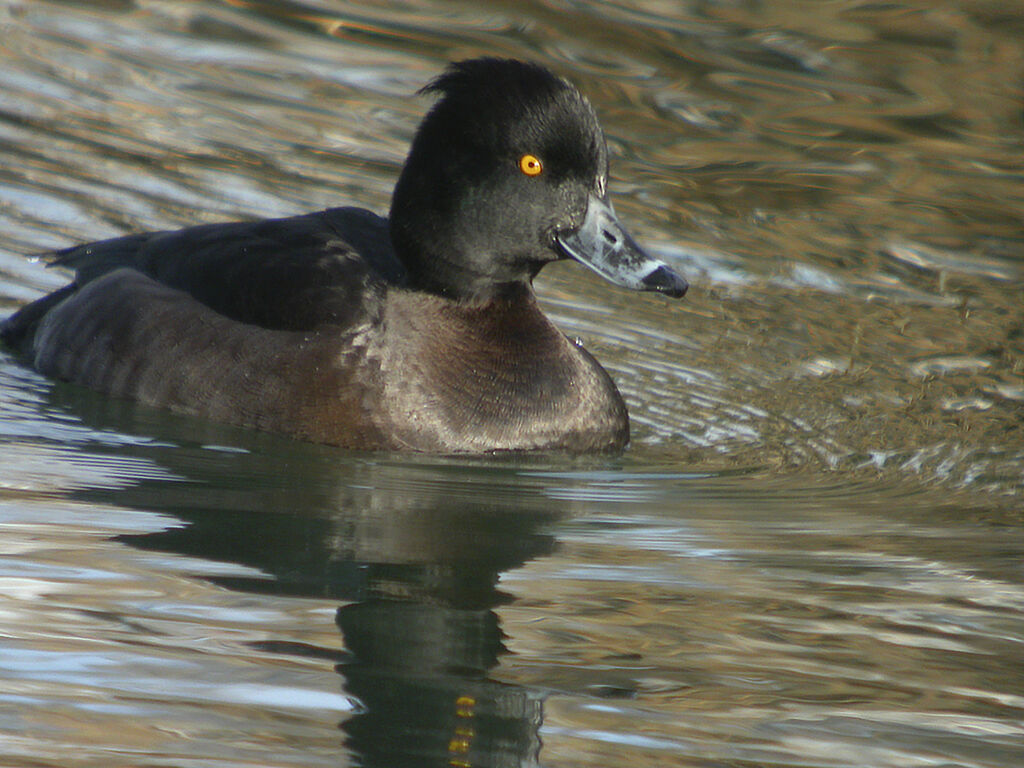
[
  {"x": 423, "y": 640},
  {"x": 414, "y": 553}
]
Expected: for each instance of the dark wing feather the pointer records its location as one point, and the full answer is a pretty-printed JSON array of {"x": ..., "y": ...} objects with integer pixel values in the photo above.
[{"x": 294, "y": 274}]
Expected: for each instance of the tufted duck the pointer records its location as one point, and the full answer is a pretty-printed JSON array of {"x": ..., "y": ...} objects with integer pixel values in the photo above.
[{"x": 418, "y": 332}]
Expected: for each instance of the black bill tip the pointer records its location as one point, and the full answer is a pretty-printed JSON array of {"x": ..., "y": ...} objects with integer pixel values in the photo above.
[{"x": 664, "y": 280}]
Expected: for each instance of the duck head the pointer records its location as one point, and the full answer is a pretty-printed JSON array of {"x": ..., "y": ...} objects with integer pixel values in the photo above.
[{"x": 507, "y": 172}]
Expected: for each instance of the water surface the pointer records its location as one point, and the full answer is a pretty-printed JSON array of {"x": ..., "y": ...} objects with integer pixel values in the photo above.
[{"x": 810, "y": 555}]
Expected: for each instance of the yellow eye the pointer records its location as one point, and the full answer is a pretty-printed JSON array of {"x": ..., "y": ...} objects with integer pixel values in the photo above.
[{"x": 530, "y": 165}]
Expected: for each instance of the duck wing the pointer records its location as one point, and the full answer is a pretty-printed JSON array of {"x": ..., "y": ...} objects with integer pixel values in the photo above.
[{"x": 294, "y": 274}]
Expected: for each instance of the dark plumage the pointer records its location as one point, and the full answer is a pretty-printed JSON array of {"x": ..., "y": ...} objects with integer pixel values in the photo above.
[{"x": 417, "y": 332}]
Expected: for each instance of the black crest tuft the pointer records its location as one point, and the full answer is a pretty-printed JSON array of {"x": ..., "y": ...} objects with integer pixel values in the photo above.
[{"x": 496, "y": 81}]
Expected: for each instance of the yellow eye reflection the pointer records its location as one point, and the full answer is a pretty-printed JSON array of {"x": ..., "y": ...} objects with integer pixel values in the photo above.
[{"x": 530, "y": 165}]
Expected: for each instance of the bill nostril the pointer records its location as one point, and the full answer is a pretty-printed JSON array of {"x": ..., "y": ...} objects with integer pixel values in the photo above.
[{"x": 610, "y": 237}]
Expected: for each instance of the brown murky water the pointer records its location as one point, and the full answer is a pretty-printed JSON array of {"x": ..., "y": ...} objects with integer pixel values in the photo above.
[{"x": 810, "y": 555}]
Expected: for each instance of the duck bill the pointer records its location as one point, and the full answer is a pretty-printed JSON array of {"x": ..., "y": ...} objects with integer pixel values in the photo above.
[{"x": 603, "y": 244}]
